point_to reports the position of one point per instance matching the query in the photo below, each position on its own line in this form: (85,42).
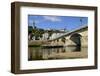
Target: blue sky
(57,22)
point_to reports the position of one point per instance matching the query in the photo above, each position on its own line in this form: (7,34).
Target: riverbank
(37,42)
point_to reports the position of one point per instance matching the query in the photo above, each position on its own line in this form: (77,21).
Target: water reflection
(40,53)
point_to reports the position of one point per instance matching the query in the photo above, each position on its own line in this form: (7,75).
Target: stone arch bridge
(77,37)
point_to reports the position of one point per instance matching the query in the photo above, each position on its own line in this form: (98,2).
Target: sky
(57,22)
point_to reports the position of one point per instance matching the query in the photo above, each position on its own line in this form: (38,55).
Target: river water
(38,53)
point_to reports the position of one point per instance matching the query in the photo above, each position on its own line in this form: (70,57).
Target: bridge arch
(76,38)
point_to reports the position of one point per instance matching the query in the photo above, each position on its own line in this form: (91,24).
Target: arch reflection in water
(40,53)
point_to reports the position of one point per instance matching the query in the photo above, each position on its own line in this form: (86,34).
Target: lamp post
(81,21)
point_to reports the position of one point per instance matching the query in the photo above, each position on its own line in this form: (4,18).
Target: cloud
(52,18)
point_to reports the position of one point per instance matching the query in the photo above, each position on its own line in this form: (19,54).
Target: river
(39,53)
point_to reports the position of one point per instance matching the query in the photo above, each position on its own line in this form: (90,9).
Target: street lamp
(81,21)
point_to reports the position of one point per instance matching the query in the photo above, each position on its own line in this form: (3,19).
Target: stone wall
(84,38)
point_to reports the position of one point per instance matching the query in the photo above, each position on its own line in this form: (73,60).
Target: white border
(25,64)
